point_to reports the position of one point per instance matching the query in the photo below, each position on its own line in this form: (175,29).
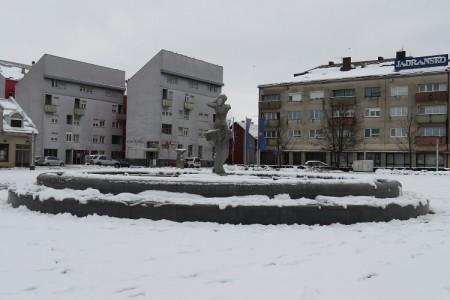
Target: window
(193,84)
(399,111)
(77,103)
(16,120)
(202,132)
(399,90)
(372,92)
(200,152)
(185,131)
(270,134)
(270,97)
(86,89)
(55,120)
(433,110)
(83,104)
(50,152)
(372,112)
(116,124)
(116,139)
(270,116)
(76,138)
(431,131)
(172,79)
(295,97)
(68,136)
(58,84)
(371,132)
(4,152)
(96,123)
(69,119)
(294,133)
(102,123)
(54,137)
(315,133)
(294,115)
(48,99)
(432,87)
(95,139)
(397,132)
(76,121)
(344,93)
(167,94)
(167,112)
(110,93)
(316,114)
(343,113)
(166,128)
(101,139)
(316,95)
(114,108)
(189,150)
(212,88)
(202,117)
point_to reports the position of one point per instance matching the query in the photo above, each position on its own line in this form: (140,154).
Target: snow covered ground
(65,257)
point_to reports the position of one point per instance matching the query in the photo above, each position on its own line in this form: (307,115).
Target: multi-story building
(167,99)
(76,106)
(243,144)
(400,107)
(10,74)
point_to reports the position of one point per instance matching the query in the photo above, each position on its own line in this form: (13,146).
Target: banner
(261,140)
(247,133)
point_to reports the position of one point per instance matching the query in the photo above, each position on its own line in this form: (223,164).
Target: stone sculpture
(220,134)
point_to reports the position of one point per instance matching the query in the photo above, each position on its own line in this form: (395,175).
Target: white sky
(256,41)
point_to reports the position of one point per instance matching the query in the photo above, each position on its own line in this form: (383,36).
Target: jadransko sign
(421,62)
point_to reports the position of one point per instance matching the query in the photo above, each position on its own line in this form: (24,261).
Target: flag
(247,133)
(261,140)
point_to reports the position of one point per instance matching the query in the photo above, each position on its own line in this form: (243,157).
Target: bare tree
(408,127)
(339,131)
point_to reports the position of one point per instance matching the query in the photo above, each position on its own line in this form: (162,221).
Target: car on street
(49,161)
(123,162)
(315,164)
(103,160)
(192,162)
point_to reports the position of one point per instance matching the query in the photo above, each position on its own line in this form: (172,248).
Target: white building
(167,109)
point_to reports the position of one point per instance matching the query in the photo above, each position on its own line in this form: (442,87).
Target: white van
(192,162)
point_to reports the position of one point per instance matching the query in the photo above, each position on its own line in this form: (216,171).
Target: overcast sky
(255,41)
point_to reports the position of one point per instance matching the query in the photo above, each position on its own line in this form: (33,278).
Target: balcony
(431,96)
(167,102)
(48,108)
(121,117)
(272,123)
(431,140)
(188,105)
(78,111)
(343,101)
(431,119)
(270,104)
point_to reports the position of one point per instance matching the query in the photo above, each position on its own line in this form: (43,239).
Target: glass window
(294,133)
(431,131)
(294,115)
(433,110)
(399,90)
(372,112)
(316,114)
(270,97)
(344,93)
(316,95)
(371,132)
(398,132)
(372,92)
(4,152)
(432,87)
(399,111)
(295,97)
(166,128)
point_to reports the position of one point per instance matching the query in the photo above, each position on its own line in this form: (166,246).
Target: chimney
(32,63)
(331,63)
(346,64)
(23,71)
(400,54)
(380,58)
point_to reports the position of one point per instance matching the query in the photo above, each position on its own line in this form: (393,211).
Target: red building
(10,74)
(238,155)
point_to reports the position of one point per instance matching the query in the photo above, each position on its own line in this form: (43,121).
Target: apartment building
(400,107)
(10,74)
(76,106)
(167,99)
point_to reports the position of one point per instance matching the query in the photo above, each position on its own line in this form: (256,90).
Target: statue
(220,134)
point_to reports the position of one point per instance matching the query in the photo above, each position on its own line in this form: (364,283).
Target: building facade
(398,106)
(167,99)
(76,106)
(243,144)
(17,133)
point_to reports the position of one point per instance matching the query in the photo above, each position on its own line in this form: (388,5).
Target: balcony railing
(432,96)
(167,102)
(430,140)
(431,118)
(48,108)
(343,101)
(270,104)
(188,105)
(78,111)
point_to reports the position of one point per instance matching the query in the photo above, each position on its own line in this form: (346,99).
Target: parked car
(192,162)
(49,161)
(123,162)
(315,164)
(88,158)
(36,158)
(103,160)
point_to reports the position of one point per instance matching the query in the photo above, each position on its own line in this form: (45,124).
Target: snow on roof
(377,68)
(12,70)
(10,107)
(253,130)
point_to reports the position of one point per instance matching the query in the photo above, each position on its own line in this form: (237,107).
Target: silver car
(49,161)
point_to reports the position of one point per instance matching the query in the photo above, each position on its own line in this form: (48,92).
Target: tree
(408,128)
(338,132)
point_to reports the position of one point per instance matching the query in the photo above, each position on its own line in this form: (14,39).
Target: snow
(12,70)
(9,107)
(64,257)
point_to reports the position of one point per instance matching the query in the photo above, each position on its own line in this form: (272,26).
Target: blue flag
(261,140)
(247,133)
